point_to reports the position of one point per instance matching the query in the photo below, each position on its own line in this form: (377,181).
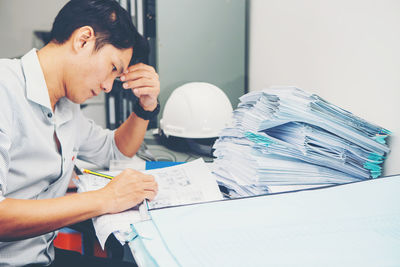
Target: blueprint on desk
(191,182)
(356,224)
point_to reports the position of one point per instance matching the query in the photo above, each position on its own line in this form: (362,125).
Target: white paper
(151,241)
(184,184)
(187,183)
(120,222)
(109,223)
(286,136)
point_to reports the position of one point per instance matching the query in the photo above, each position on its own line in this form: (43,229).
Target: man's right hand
(128,189)
(123,192)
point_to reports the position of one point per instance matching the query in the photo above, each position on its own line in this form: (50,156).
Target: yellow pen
(97,174)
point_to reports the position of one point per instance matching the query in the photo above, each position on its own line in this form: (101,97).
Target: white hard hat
(196,110)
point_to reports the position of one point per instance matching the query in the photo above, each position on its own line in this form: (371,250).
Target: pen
(145,201)
(97,174)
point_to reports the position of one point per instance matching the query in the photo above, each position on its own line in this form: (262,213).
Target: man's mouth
(94,93)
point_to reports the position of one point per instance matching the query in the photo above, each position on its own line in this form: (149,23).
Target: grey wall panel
(18,20)
(201,40)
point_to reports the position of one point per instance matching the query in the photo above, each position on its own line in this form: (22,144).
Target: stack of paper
(285,136)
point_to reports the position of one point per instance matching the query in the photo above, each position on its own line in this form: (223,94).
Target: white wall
(18,20)
(346,51)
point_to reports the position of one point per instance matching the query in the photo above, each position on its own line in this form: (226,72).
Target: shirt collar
(37,91)
(36,88)
(64,110)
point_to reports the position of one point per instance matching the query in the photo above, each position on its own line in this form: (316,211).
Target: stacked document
(286,136)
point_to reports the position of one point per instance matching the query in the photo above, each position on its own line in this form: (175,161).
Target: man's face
(94,71)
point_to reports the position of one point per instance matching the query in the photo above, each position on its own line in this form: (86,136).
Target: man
(42,129)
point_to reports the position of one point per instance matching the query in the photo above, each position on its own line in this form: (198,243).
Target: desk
(355,224)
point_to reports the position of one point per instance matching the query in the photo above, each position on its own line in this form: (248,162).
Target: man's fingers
(150,91)
(150,195)
(140,66)
(150,184)
(148,178)
(137,71)
(131,76)
(142,82)
(137,174)
(153,186)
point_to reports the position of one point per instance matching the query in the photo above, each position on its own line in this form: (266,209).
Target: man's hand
(145,84)
(128,189)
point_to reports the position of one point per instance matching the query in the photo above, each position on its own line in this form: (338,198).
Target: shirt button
(49,115)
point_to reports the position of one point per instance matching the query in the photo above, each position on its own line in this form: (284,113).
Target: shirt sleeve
(97,145)
(6,121)
(5,144)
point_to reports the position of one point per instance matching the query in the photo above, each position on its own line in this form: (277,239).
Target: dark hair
(111,24)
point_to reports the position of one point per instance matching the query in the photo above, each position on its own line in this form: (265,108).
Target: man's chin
(79,100)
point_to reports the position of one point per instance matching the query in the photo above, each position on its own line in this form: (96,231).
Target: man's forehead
(122,57)
(127,57)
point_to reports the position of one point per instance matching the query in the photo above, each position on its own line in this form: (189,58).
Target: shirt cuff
(1,196)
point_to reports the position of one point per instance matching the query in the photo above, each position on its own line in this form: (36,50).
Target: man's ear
(83,38)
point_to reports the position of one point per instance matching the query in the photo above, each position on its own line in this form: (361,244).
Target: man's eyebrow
(120,67)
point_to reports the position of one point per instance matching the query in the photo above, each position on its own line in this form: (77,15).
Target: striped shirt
(31,166)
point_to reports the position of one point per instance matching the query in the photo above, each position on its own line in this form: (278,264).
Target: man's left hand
(145,84)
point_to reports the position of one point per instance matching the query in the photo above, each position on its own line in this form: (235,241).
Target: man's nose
(107,85)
